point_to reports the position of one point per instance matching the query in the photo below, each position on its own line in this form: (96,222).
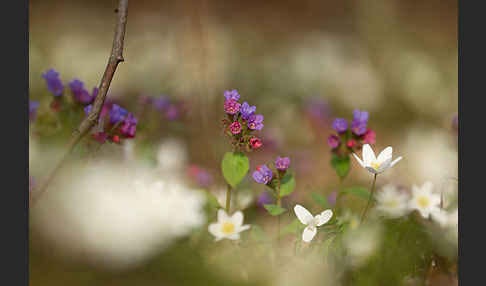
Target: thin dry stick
(89,121)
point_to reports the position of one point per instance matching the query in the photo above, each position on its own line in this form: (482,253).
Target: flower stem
(228,199)
(369,200)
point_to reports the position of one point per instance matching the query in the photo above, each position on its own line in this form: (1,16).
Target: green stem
(369,200)
(228,199)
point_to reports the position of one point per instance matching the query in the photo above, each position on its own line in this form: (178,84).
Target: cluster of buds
(121,123)
(241,121)
(272,175)
(349,139)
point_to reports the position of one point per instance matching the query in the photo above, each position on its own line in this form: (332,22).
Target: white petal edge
(395,161)
(244,227)
(367,154)
(359,160)
(303,214)
(237,218)
(222,216)
(385,154)
(324,217)
(309,234)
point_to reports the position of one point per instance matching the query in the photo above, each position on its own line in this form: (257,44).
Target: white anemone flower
(311,221)
(391,202)
(375,164)
(424,199)
(228,226)
(445,219)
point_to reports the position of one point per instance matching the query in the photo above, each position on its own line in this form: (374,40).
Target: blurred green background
(396,59)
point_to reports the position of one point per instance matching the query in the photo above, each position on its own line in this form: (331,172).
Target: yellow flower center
(228,228)
(375,165)
(423,202)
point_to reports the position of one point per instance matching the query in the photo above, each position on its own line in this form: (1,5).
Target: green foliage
(287,185)
(234,166)
(341,165)
(320,200)
(359,192)
(274,209)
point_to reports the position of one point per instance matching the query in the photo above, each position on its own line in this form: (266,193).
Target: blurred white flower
(311,221)
(116,215)
(446,219)
(378,164)
(240,200)
(172,156)
(424,199)
(391,202)
(361,243)
(228,226)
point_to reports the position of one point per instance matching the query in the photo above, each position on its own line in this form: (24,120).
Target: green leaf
(319,199)
(258,234)
(287,185)
(274,209)
(341,165)
(359,192)
(235,165)
(294,227)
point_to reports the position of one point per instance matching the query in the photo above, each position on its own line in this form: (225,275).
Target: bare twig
(90,120)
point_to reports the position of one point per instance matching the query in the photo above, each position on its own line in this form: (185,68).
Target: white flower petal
(368,155)
(372,170)
(244,227)
(303,214)
(385,155)
(385,165)
(395,161)
(324,217)
(237,218)
(359,160)
(215,229)
(309,233)
(222,216)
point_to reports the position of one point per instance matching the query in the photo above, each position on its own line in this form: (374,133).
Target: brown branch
(90,120)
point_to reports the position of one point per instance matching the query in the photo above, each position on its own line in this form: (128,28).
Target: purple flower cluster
(353,137)
(54,83)
(264,174)
(241,121)
(80,94)
(282,164)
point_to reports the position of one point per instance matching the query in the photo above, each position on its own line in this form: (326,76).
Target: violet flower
(333,141)
(129,126)
(54,83)
(262,175)
(33,106)
(79,93)
(255,122)
(117,114)
(246,110)
(360,119)
(231,106)
(231,94)
(282,164)
(340,125)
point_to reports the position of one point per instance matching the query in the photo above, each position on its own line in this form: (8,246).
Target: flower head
(117,114)
(231,94)
(160,103)
(333,141)
(79,93)
(231,106)
(424,200)
(235,128)
(228,226)
(340,125)
(54,83)
(378,164)
(246,110)
(360,120)
(369,137)
(391,202)
(129,126)
(311,221)
(255,122)
(282,164)
(255,142)
(263,175)
(33,106)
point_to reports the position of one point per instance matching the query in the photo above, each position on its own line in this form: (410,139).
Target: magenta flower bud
(235,127)
(256,143)
(333,141)
(282,164)
(231,106)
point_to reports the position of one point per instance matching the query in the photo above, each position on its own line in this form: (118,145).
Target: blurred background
(302,63)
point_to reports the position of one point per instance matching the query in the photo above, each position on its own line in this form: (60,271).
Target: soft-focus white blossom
(424,199)
(391,202)
(115,215)
(375,164)
(362,242)
(172,156)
